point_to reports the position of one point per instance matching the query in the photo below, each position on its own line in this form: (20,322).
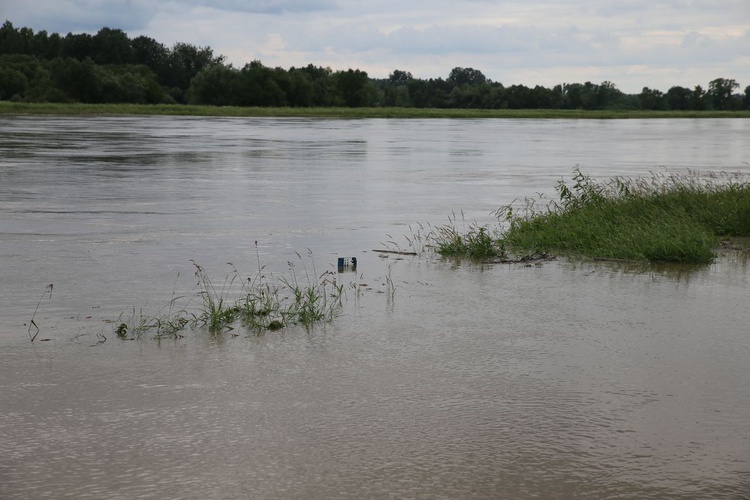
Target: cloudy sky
(633,43)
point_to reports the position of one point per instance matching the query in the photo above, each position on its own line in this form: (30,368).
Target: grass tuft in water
(217,312)
(317,299)
(167,322)
(261,304)
(472,241)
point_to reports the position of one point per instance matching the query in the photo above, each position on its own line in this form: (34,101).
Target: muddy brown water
(558,380)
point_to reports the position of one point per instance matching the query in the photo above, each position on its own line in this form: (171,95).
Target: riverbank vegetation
(110,67)
(81,109)
(663,218)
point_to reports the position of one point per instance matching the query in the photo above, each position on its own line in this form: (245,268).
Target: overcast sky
(632,43)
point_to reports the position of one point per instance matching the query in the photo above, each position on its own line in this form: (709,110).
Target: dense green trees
(106,67)
(720,96)
(720,93)
(70,80)
(652,99)
(258,85)
(12,82)
(678,98)
(111,67)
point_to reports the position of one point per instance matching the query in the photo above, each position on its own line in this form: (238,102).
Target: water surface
(563,380)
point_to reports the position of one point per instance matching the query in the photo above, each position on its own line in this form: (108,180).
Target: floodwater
(559,380)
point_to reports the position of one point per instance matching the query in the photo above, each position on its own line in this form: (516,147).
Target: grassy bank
(663,218)
(229,111)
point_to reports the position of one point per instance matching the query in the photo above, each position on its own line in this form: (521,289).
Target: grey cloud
(63,16)
(696,41)
(694,51)
(440,40)
(266,6)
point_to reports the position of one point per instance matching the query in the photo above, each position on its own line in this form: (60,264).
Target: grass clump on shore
(663,218)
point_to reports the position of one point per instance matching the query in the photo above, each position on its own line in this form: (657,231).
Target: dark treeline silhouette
(110,67)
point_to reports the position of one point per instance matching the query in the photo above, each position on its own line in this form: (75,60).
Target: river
(438,379)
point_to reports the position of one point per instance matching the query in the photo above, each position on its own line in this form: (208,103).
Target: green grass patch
(467,241)
(80,109)
(663,218)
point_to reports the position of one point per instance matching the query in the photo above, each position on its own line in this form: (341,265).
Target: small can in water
(347,264)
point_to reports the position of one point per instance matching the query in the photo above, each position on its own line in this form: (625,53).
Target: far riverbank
(341,112)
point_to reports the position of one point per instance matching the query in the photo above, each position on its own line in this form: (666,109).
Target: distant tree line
(110,67)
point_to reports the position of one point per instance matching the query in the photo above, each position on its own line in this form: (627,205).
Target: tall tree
(543,98)
(354,87)
(466,76)
(8,36)
(420,93)
(399,77)
(152,54)
(518,96)
(184,62)
(397,89)
(77,79)
(258,86)
(605,95)
(78,46)
(678,98)
(698,99)
(651,99)
(572,95)
(323,88)
(112,46)
(301,94)
(215,86)
(13,84)
(16,41)
(720,93)
(49,46)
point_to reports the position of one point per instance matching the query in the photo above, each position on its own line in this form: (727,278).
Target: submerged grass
(261,304)
(217,312)
(662,218)
(472,241)
(314,301)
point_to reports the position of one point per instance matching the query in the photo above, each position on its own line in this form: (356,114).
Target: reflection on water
(564,380)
